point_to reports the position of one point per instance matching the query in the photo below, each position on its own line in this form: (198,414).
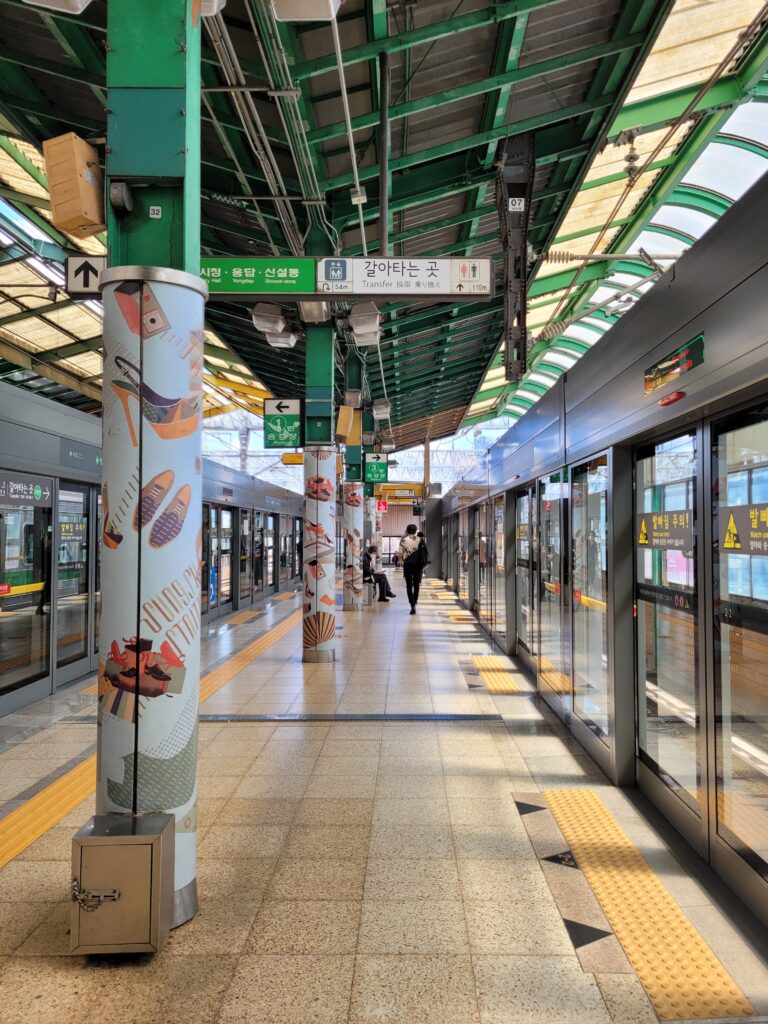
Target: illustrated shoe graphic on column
(168,525)
(153,495)
(110,535)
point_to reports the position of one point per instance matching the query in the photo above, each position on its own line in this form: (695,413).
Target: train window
(28,548)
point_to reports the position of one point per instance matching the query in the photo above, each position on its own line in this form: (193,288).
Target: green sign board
(282,423)
(244,275)
(376,469)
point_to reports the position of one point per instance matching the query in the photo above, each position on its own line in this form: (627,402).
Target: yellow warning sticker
(731,541)
(643,538)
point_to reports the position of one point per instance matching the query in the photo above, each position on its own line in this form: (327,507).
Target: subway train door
(75,580)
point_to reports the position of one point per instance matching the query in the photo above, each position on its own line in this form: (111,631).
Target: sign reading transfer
(373,277)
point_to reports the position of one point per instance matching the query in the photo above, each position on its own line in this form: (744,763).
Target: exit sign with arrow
(376,468)
(282,423)
(83,276)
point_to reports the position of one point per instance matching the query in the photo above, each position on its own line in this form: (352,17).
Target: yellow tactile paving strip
(241,617)
(214,680)
(461,617)
(495,673)
(286,596)
(682,976)
(22,827)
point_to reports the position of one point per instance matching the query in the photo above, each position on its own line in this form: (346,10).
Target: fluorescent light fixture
(354,398)
(388,446)
(314,312)
(287,340)
(268,318)
(305,10)
(358,196)
(369,438)
(364,318)
(367,340)
(209,8)
(67,6)
(380,409)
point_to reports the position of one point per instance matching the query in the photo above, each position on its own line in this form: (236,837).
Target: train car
(52,528)
(616,543)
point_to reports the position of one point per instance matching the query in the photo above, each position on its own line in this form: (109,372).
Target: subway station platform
(408,835)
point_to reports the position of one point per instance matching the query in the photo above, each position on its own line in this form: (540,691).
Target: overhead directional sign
(83,275)
(22,489)
(371,277)
(282,423)
(243,275)
(376,468)
(303,277)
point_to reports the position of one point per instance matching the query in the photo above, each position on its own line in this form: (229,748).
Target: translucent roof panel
(727,170)
(692,43)
(683,218)
(748,122)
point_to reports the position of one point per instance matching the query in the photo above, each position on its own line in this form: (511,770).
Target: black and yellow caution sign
(643,538)
(731,541)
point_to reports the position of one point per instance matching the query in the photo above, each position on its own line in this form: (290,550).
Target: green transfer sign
(244,275)
(376,468)
(282,423)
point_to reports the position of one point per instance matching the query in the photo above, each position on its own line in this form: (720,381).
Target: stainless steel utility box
(122,883)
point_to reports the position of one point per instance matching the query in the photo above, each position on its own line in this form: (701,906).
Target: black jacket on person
(367,567)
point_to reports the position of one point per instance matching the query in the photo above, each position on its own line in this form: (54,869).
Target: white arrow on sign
(84,273)
(282,407)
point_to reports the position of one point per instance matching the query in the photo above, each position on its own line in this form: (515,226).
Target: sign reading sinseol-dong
(244,275)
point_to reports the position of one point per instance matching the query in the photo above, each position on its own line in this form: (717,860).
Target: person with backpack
(414,557)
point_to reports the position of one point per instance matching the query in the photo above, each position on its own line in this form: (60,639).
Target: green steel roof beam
(492,84)
(657,112)
(697,198)
(495,14)
(79,46)
(561,116)
(77,348)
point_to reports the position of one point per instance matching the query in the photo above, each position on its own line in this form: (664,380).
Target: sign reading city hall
(303,277)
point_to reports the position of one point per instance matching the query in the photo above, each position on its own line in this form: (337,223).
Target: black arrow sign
(85,270)
(375,458)
(282,406)
(459,287)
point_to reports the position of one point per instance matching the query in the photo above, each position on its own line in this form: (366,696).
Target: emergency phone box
(75,185)
(122,883)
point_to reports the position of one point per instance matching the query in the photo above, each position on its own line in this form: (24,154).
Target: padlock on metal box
(122,883)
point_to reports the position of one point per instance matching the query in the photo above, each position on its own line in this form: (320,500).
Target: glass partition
(26,542)
(553,662)
(258,552)
(246,554)
(72,573)
(666,624)
(589,499)
(464,554)
(498,569)
(523,610)
(740,571)
(269,539)
(226,539)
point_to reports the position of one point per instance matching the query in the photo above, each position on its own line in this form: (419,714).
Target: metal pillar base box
(122,883)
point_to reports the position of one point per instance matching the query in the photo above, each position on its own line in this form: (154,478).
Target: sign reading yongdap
(258,276)
(671,530)
(376,469)
(383,277)
(744,529)
(282,423)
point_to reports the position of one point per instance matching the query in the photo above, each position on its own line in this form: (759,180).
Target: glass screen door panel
(286,553)
(523,610)
(97,574)
(226,534)
(73,513)
(246,554)
(213,589)
(205,562)
(297,547)
(464,554)
(26,549)
(258,553)
(553,667)
(270,553)
(498,570)
(666,592)
(589,500)
(740,571)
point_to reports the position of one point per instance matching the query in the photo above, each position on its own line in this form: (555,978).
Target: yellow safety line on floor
(446,597)
(495,673)
(22,827)
(286,596)
(682,976)
(218,677)
(241,617)
(458,617)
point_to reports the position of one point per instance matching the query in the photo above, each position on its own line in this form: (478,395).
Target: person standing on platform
(413,557)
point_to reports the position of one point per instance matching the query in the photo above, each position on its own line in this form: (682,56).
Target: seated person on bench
(379,578)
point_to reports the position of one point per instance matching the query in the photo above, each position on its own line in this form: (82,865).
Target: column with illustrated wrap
(353,545)
(319,554)
(149,663)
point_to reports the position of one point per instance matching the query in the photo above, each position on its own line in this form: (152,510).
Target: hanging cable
(350,136)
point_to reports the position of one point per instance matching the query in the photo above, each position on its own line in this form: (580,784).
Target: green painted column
(353,497)
(154,305)
(320,485)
